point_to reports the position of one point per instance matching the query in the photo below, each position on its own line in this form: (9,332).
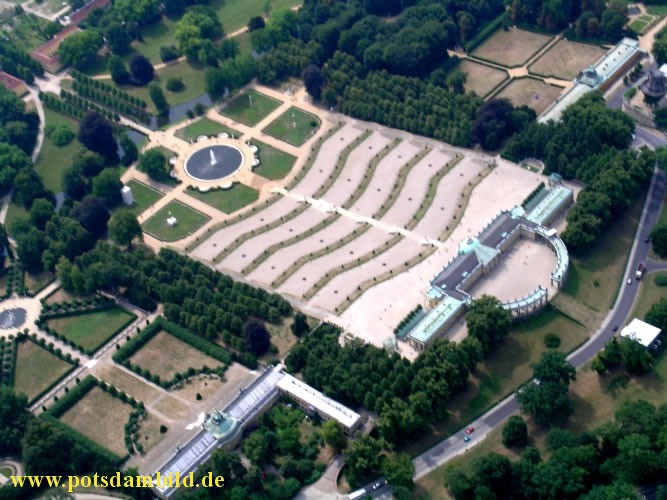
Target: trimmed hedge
(533,194)
(485,32)
(123,355)
(7,360)
(408,318)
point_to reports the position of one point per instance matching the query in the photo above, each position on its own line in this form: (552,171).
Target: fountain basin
(212,163)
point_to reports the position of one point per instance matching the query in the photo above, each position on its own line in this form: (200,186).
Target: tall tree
(107,186)
(97,135)
(141,69)
(124,228)
(158,98)
(257,338)
(333,435)
(488,321)
(79,50)
(13,420)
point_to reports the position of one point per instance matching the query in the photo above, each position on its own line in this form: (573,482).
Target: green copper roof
(435,318)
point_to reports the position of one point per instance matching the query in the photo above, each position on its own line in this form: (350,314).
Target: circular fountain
(213,163)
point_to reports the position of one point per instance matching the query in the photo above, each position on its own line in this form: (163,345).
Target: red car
(470,430)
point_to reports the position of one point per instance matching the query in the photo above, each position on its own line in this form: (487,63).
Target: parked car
(470,430)
(466,438)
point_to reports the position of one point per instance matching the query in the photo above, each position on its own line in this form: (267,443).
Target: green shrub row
(533,194)
(111,102)
(59,310)
(86,81)
(87,105)
(7,361)
(132,431)
(485,32)
(54,103)
(408,318)
(15,280)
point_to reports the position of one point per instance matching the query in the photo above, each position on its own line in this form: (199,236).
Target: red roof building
(14,84)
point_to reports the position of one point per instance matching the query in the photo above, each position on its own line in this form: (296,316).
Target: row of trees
(605,463)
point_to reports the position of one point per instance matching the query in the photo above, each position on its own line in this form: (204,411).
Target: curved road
(454,445)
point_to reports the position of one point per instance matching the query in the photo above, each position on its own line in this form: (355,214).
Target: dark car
(615,329)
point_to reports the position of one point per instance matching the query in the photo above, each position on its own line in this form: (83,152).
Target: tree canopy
(80,49)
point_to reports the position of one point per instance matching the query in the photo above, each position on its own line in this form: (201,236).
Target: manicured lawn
(649,294)
(227,200)
(36,369)
(502,372)
(193,78)
(53,161)
(144,195)
(294,126)
(274,164)
(235,14)
(92,330)
(98,410)
(14,212)
(204,126)
(243,39)
(155,35)
(165,355)
(595,279)
(189,220)
(657,10)
(242,111)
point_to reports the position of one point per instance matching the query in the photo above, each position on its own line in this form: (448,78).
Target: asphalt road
(455,444)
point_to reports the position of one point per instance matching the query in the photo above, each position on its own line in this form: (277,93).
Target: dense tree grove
(375,70)
(488,321)
(194,296)
(590,144)
(407,396)
(627,451)
(18,62)
(592,18)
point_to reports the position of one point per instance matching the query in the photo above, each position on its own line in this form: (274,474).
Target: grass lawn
(649,294)
(92,330)
(595,279)
(204,126)
(275,164)
(294,126)
(281,337)
(193,78)
(36,369)
(235,14)
(227,200)
(144,196)
(7,471)
(165,355)
(502,372)
(36,282)
(241,111)
(52,160)
(14,212)
(25,31)
(85,417)
(243,39)
(638,25)
(189,220)
(62,295)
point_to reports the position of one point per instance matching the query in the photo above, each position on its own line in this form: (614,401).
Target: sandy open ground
(280,261)
(512,47)
(505,187)
(301,281)
(254,247)
(481,79)
(566,59)
(386,174)
(337,290)
(415,187)
(356,166)
(527,265)
(530,92)
(447,198)
(326,159)
(224,237)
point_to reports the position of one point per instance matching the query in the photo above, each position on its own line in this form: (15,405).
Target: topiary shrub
(551,340)
(175,84)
